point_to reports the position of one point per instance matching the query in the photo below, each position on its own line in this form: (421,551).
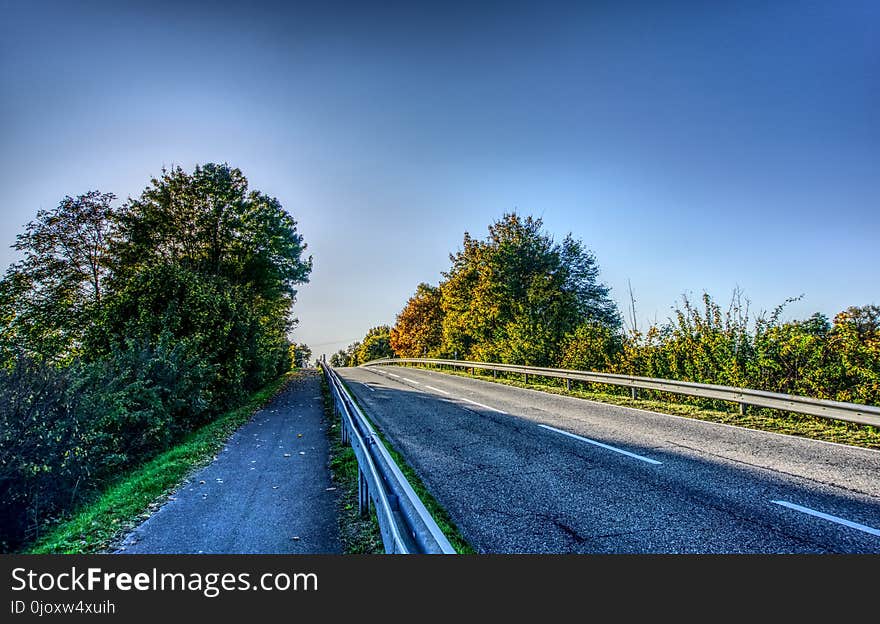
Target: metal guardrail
(852,412)
(405,524)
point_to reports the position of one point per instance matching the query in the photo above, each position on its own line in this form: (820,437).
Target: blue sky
(691,148)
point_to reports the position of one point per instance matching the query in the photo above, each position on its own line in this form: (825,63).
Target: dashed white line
(604,446)
(483,406)
(829,517)
(412,381)
(393,375)
(436,389)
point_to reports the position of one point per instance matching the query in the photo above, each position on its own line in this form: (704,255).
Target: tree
(209,221)
(347,356)
(854,351)
(301,354)
(49,299)
(339,359)
(418,331)
(376,345)
(232,258)
(516,296)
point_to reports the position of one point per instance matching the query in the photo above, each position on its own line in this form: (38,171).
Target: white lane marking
(413,381)
(367,386)
(436,389)
(393,375)
(825,516)
(604,446)
(483,406)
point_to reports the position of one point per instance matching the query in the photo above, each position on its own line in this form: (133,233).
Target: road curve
(521,471)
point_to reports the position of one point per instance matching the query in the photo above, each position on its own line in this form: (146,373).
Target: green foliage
(837,360)
(300,354)
(513,298)
(94,525)
(49,298)
(519,297)
(706,345)
(375,345)
(347,356)
(209,222)
(592,347)
(45,448)
(340,358)
(125,329)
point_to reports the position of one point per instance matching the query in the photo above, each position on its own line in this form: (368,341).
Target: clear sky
(690,147)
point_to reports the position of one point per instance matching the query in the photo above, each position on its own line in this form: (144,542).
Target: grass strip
(360,535)
(775,421)
(96,526)
(437,511)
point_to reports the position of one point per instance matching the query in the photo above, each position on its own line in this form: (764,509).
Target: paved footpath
(266,492)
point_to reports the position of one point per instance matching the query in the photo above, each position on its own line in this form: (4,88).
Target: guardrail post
(568,385)
(526,377)
(742,409)
(634,392)
(494,374)
(363,494)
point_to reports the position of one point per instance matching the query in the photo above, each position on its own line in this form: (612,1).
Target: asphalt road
(266,492)
(522,471)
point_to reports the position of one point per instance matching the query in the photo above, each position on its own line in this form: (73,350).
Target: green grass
(775,421)
(132,498)
(360,535)
(437,511)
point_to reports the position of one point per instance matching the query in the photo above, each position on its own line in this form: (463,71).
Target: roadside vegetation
(124,329)
(521,297)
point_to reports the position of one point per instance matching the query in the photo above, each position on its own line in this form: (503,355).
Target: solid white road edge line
(436,389)
(604,446)
(829,517)
(483,406)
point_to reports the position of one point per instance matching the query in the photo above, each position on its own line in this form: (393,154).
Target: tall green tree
(375,345)
(50,298)
(201,258)
(516,296)
(208,220)
(300,354)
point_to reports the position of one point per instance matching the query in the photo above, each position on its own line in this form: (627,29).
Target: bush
(43,450)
